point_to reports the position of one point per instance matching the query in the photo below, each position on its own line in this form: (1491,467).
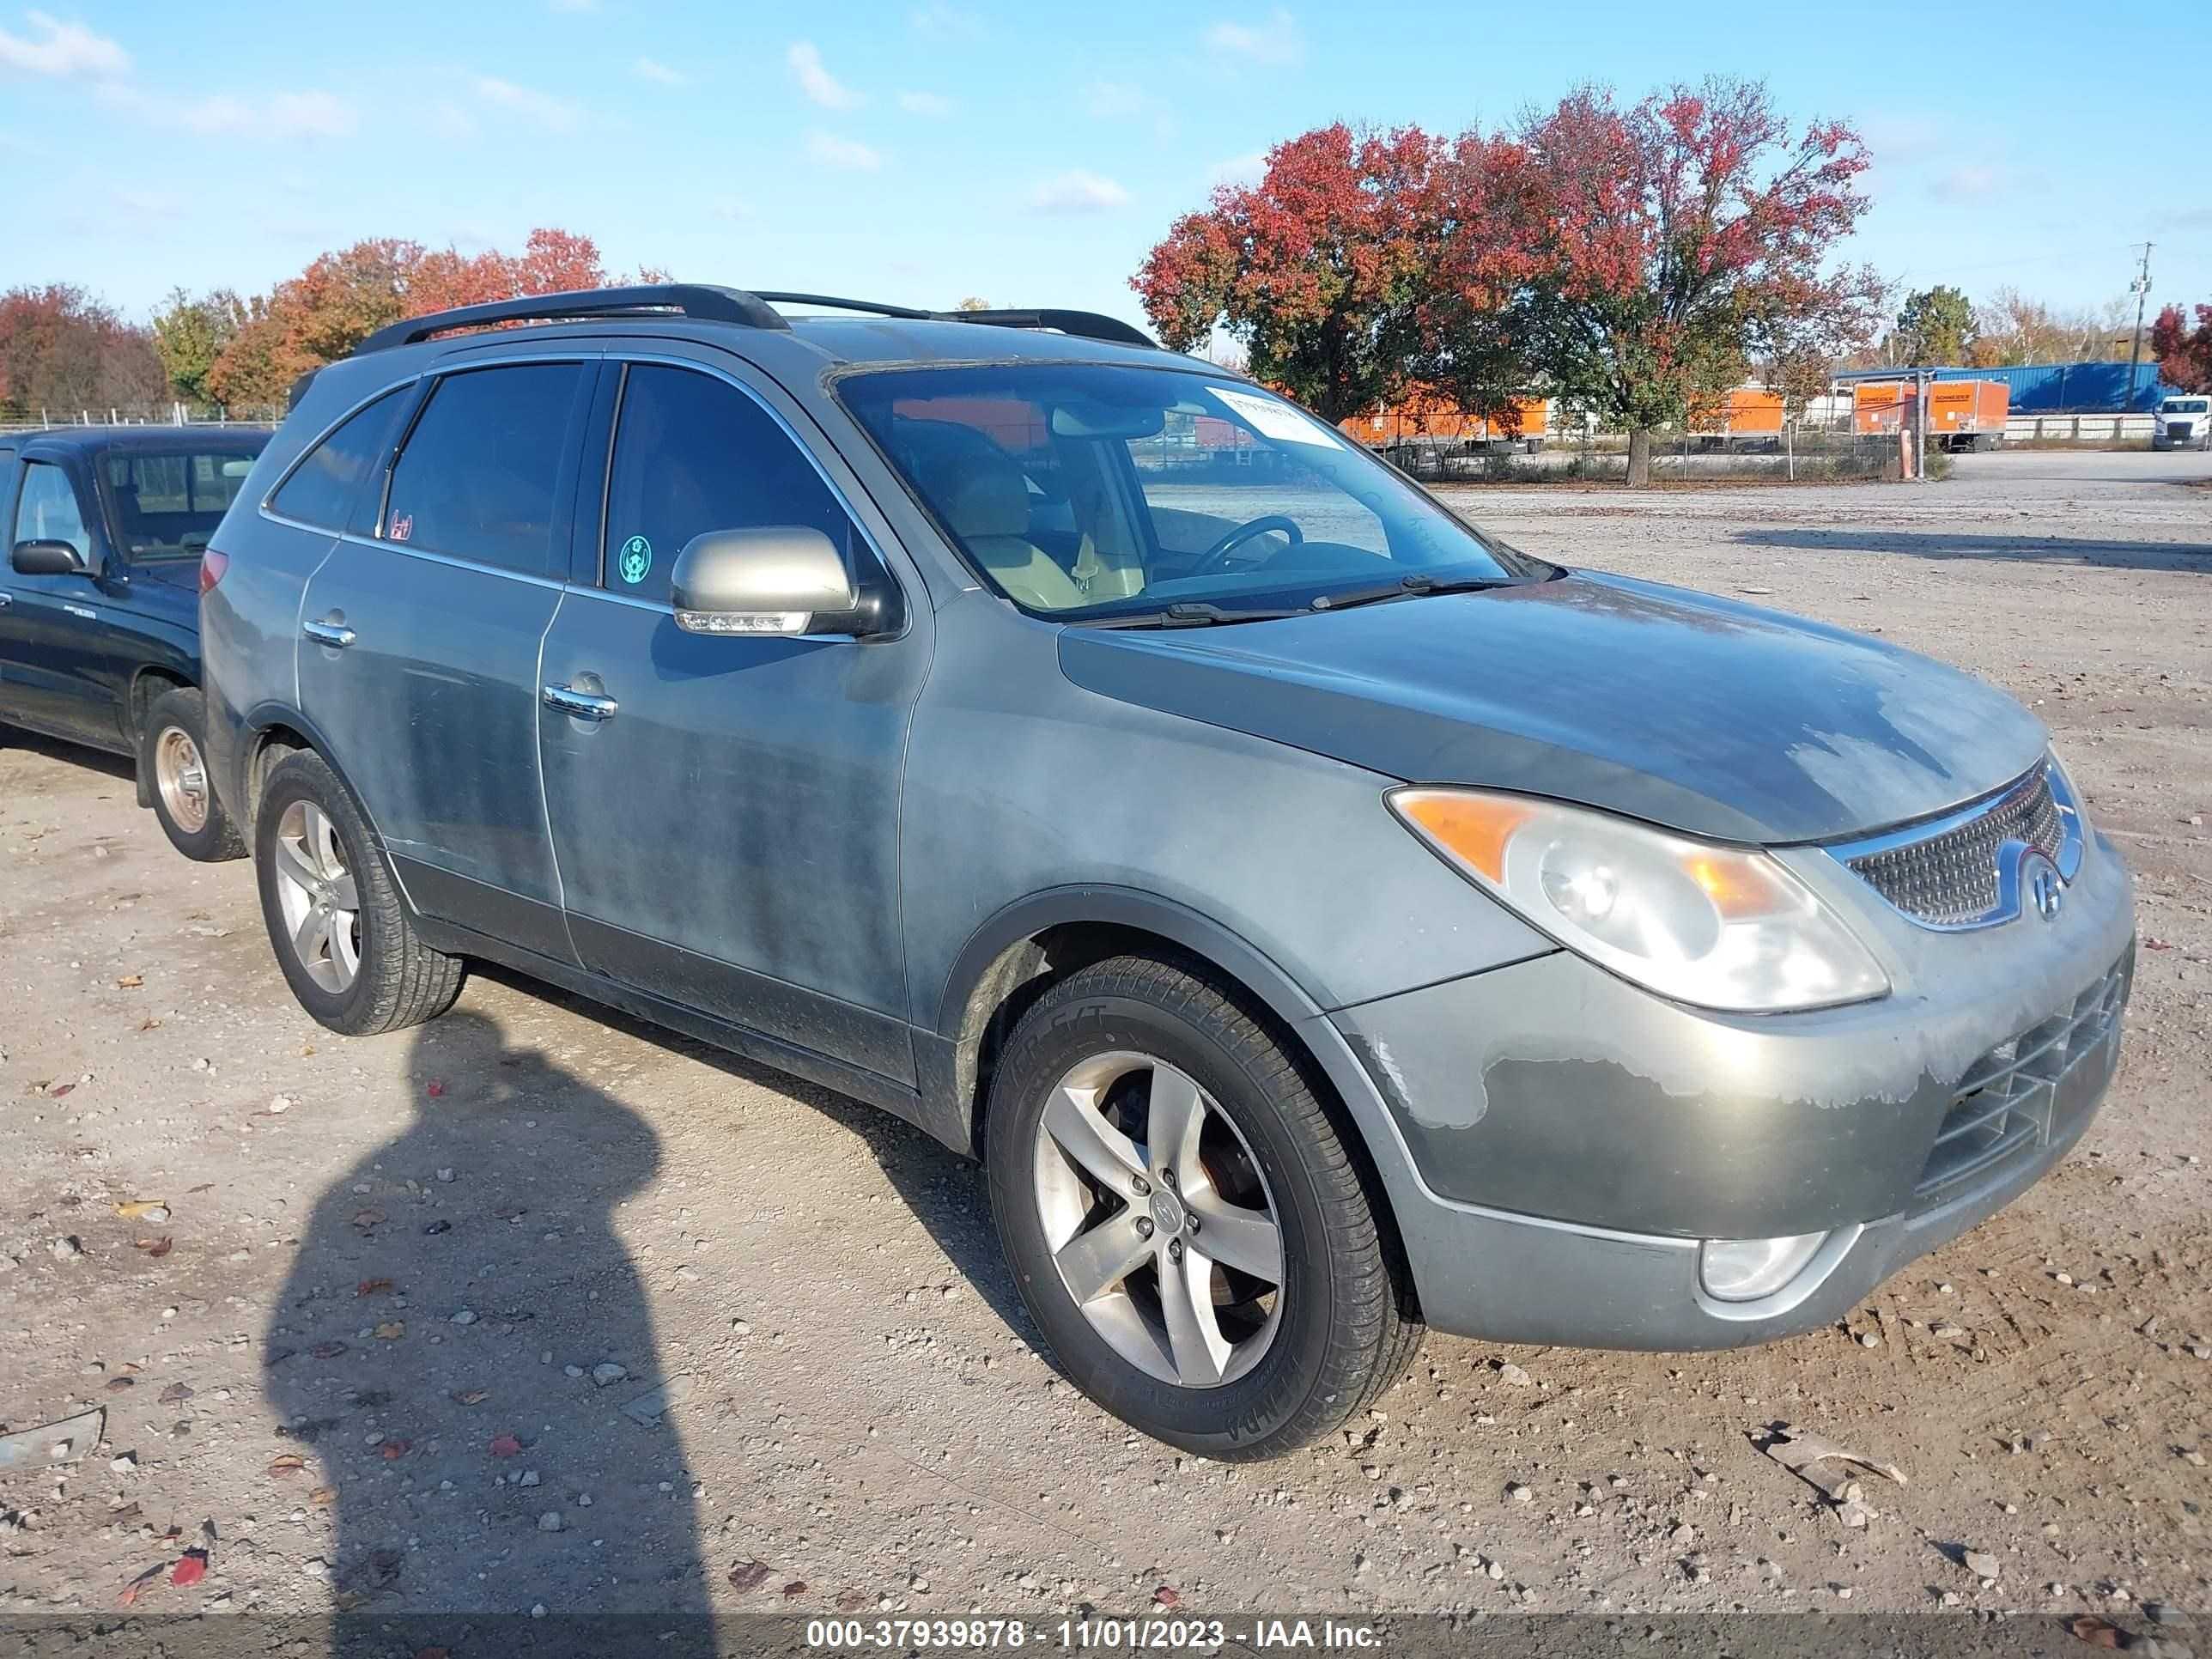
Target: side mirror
(779,579)
(49,558)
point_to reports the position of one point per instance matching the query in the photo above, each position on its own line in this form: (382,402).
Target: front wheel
(1186,1224)
(173,759)
(342,935)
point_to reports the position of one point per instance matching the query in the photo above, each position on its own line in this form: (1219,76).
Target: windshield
(165,504)
(1089,492)
(2185,406)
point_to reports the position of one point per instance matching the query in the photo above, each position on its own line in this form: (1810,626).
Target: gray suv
(1323,919)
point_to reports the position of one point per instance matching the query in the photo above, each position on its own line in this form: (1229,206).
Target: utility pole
(2141,289)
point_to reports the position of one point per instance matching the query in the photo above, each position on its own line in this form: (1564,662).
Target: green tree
(1936,327)
(190,335)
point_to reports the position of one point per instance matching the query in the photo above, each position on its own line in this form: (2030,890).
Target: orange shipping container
(1419,419)
(1958,408)
(1747,411)
(1880,405)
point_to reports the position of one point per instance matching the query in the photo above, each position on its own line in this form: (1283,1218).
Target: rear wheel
(334,915)
(1184,1222)
(173,759)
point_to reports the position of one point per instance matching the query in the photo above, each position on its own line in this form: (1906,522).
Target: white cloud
(831,151)
(1111,100)
(1238,170)
(935,104)
(63,52)
(284,115)
(279,116)
(816,81)
(1274,41)
(938,21)
(1077,191)
(540,109)
(651,68)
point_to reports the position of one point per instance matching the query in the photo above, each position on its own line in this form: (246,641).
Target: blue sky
(924,149)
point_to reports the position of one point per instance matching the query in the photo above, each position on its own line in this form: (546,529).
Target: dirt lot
(366,1358)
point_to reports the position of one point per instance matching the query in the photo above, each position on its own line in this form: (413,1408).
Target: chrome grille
(1950,879)
(2006,1104)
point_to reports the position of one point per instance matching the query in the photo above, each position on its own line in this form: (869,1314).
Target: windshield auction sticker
(1273,420)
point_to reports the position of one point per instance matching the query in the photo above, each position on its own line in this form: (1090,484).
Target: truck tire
(173,759)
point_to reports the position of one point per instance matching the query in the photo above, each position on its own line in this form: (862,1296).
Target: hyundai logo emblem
(2045,890)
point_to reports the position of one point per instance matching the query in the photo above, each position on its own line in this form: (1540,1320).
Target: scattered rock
(464,1317)
(1518,1493)
(606,1374)
(1982,1563)
(1512,1375)
(550,1521)
(66,1250)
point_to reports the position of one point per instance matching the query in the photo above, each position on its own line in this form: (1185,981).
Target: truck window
(166,505)
(47,511)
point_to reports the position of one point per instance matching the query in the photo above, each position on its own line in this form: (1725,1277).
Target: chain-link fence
(1804,456)
(35,417)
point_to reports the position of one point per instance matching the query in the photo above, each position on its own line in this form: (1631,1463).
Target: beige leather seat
(978,487)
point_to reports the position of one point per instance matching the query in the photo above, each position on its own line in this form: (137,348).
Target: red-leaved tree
(1315,269)
(1676,240)
(344,296)
(61,349)
(2184,354)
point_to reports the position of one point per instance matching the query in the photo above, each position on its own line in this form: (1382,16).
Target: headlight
(1723,927)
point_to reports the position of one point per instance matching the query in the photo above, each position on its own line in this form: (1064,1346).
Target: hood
(1715,718)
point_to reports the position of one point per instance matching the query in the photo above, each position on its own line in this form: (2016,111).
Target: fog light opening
(1746,1269)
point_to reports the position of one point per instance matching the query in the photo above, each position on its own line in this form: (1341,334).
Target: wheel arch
(1024,949)
(149,683)
(272,732)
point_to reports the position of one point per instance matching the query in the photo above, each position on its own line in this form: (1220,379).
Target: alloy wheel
(180,778)
(320,898)
(1159,1220)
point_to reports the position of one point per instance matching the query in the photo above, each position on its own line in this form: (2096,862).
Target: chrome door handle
(584,705)
(328,633)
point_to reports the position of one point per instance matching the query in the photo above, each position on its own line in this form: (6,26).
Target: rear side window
(693,453)
(47,509)
(323,488)
(477,476)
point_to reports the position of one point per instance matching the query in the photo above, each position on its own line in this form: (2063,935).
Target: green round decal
(636,560)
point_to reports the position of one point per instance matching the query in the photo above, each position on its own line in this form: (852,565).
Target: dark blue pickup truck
(99,600)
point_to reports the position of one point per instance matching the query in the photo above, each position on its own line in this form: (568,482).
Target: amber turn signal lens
(1474,828)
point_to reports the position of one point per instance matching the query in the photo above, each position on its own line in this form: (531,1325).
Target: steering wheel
(1217,554)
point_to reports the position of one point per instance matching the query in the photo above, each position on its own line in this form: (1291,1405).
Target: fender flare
(1125,907)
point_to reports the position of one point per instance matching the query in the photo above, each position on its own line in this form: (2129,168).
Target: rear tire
(1257,1331)
(341,933)
(173,759)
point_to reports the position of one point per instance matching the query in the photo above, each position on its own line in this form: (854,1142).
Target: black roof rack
(723,305)
(1086,324)
(717,305)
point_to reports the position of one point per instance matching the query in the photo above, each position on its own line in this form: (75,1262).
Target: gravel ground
(370,1342)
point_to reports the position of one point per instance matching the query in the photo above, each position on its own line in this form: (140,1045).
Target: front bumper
(1574,1140)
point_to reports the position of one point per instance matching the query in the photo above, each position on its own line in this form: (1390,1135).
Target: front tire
(173,759)
(341,933)
(1184,1221)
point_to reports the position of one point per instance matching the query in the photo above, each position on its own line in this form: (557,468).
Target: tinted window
(693,453)
(477,477)
(322,489)
(46,511)
(166,505)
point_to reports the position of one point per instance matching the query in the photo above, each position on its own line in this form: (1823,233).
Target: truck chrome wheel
(320,899)
(180,775)
(1158,1219)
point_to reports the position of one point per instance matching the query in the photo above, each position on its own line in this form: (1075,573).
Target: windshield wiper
(1186,614)
(1412,587)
